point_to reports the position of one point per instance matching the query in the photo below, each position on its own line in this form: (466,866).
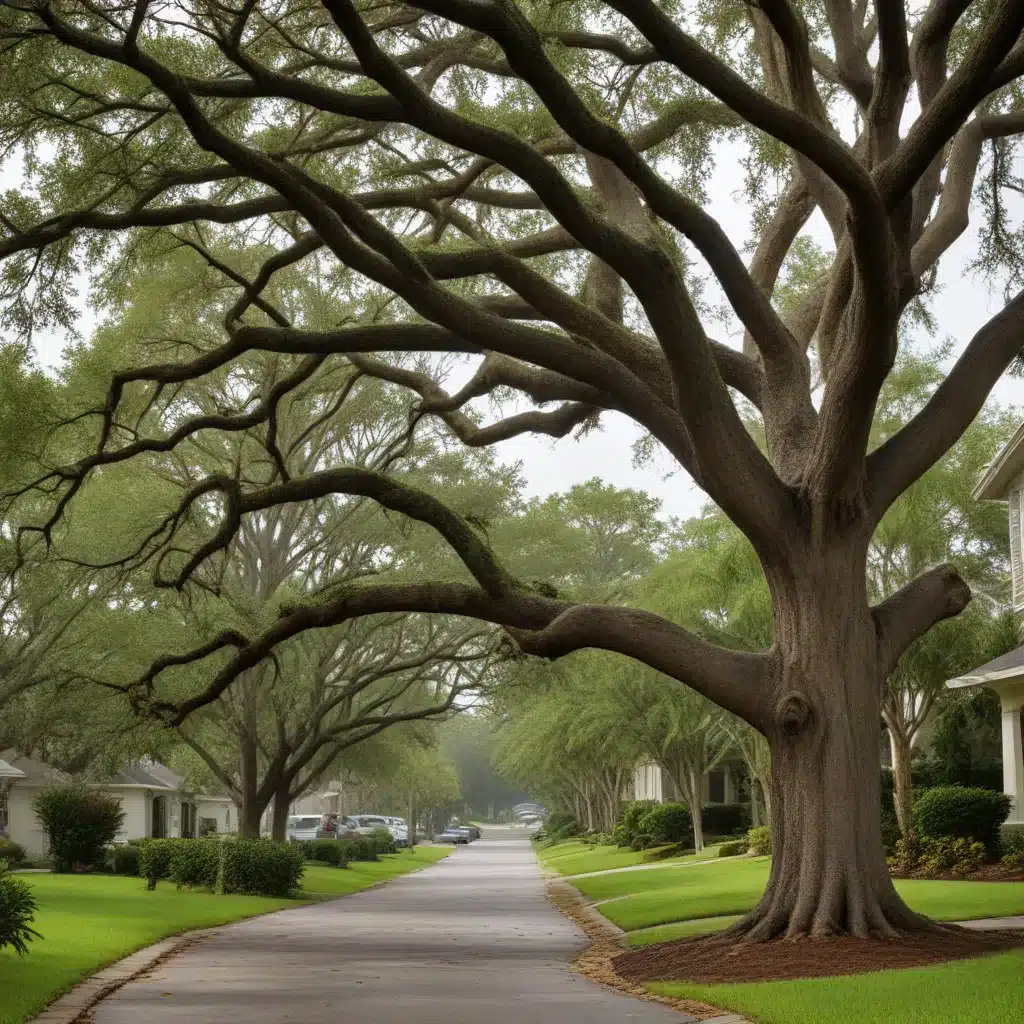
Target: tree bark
(251,808)
(282,805)
(902,784)
(695,801)
(829,873)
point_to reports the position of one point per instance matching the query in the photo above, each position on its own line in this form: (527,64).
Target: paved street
(470,940)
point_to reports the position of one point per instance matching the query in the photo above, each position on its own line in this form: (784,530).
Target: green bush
(79,824)
(363,848)
(907,854)
(194,862)
(957,811)
(383,840)
(629,828)
(619,836)
(17,912)
(12,852)
(759,841)
(261,867)
(666,823)
(948,853)
(725,819)
(124,859)
(155,860)
(1011,846)
(327,851)
(891,834)
(733,849)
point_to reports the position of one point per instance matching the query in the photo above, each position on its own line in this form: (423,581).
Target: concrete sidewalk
(468,940)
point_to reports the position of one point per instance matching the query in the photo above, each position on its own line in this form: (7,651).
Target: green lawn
(576,858)
(732,887)
(982,991)
(89,921)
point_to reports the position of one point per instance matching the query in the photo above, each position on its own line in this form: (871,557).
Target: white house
(1004,481)
(155,800)
(652,782)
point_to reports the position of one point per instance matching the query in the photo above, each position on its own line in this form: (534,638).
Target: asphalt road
(469,940)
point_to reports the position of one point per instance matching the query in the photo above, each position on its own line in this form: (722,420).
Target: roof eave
(1004,467)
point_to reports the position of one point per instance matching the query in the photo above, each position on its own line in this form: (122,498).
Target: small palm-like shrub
(17,912)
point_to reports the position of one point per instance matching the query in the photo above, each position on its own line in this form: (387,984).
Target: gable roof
(33,772)
(8,771)
(136,775)
(1004,667)
(1002,470)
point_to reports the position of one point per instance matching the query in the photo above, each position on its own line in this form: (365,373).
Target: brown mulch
(710,960)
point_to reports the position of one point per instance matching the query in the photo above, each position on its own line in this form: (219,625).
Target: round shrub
(12,852)
(363,848)
(327,851)
(958,811)
(383,840)
(194,862)
(667,823)
(725,819)
(79,824)
(261,867)
(17,912)
(125,859)
(759,841)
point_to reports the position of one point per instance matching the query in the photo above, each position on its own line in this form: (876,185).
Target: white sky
(962,305)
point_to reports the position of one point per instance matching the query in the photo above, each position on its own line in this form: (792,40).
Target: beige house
(1004,481)
(155,800)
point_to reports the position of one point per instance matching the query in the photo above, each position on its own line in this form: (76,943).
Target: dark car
(474,830)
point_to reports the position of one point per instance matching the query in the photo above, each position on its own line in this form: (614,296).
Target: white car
(366,823)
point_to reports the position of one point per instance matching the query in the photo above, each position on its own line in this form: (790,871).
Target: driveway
(469,940)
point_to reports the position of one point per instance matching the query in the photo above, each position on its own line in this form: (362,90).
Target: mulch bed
(710,960)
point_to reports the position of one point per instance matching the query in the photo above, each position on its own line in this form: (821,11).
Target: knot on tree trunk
(793,713)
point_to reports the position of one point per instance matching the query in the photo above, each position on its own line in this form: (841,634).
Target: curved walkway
(470,939)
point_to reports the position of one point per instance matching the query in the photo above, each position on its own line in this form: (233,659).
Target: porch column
(1013,758)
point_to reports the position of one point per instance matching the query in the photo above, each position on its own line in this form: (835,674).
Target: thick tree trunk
(251,808)
(282,805)
(902,785)
(829,873)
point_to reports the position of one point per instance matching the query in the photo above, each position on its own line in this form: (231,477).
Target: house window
(207,826)
(5,814)
(716,787)
(159,817)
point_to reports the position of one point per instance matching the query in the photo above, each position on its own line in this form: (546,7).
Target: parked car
(458,836)
(474,830)
(302,827)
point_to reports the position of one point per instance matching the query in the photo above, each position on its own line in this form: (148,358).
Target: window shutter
(1016,565)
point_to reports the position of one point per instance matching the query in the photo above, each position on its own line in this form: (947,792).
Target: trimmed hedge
(260,867)
(79,824)
(17,912)
(957,811)
(666,823)
(733,849)
(327,851)
(252,867)
(195,863)
(363,848)
(725,819)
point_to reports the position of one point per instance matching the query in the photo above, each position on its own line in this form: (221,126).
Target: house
(721,784)
(155,800)
(1004,481)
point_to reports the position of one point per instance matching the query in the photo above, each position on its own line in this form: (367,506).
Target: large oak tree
(522,181)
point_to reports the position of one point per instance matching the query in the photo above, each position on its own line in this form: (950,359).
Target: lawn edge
(74,1006)
(595,962)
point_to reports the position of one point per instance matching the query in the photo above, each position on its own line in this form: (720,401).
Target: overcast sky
(962,305)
